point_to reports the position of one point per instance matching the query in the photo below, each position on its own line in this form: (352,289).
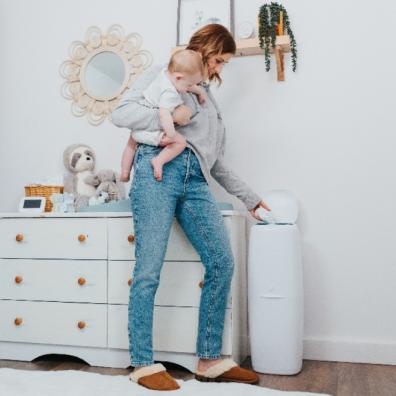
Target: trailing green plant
(269,15)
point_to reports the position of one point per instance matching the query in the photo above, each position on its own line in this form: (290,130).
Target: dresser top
(12,215)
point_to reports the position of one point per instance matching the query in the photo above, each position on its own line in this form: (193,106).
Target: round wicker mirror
(100,69)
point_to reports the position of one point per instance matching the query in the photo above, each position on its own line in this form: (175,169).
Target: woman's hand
(261,204)
(182,115)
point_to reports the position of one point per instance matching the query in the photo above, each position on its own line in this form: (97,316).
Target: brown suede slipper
(227,371)
(154,377)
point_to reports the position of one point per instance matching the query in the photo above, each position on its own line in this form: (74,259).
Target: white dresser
(64,289)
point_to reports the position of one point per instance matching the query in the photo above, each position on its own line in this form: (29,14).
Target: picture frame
(194,14)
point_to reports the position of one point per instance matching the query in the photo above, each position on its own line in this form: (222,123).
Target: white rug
(79,383)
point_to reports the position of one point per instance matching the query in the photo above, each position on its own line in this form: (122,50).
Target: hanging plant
(274,21)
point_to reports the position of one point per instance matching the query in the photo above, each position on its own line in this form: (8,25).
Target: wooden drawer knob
(18,321)
(18,279)
(81,281)
(200,284)
(81,324)
(130,282)
(19,238)
(82,237)
(131,238)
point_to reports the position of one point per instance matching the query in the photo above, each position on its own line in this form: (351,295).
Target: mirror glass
(104,74)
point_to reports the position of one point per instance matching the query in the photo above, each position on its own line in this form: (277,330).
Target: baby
(184,72)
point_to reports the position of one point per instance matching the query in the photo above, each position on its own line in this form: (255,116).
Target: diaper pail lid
(283,204)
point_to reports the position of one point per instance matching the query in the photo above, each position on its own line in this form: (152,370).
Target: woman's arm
(232,183)
(133,115)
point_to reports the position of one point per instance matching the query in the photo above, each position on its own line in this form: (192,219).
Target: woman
(184,193)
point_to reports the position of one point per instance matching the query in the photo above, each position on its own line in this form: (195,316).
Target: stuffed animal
(107,181)
(63,203)
(79,160)
(103,197)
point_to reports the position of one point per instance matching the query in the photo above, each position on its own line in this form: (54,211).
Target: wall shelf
(248,47)
(252,46)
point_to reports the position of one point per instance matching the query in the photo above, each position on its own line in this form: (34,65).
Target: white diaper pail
(275,288)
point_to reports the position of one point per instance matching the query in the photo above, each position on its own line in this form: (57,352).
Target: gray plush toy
(107,181)
(79,160)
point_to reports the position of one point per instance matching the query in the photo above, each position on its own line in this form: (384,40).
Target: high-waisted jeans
(184,193)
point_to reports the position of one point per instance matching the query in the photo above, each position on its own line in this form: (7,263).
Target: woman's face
(216,63)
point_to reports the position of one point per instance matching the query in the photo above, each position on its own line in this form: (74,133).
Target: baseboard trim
(350,351)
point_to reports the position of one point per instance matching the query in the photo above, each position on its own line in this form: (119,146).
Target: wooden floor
(334,378)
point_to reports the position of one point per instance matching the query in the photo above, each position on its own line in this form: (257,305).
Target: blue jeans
(184,193)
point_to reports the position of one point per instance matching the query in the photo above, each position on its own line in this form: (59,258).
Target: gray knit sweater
(205,133)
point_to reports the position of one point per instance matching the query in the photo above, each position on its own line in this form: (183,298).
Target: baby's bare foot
(157,166)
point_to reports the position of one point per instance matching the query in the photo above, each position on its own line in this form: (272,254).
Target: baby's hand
(200,92)
(201,95)
(201,98)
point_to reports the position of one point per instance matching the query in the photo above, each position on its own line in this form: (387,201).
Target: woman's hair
(212,39)
(186,61)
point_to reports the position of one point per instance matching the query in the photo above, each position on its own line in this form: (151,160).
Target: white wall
(325,133)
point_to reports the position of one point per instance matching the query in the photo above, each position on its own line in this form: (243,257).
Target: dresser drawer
(53,323)
(180,284)
(53,238)
(121,247)
(54,280)
(174,329)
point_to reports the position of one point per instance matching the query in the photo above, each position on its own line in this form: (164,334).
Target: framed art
(194,14)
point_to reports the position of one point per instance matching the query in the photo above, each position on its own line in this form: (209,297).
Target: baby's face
(184,82)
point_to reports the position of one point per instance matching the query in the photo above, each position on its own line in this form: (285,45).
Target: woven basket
(40,190)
